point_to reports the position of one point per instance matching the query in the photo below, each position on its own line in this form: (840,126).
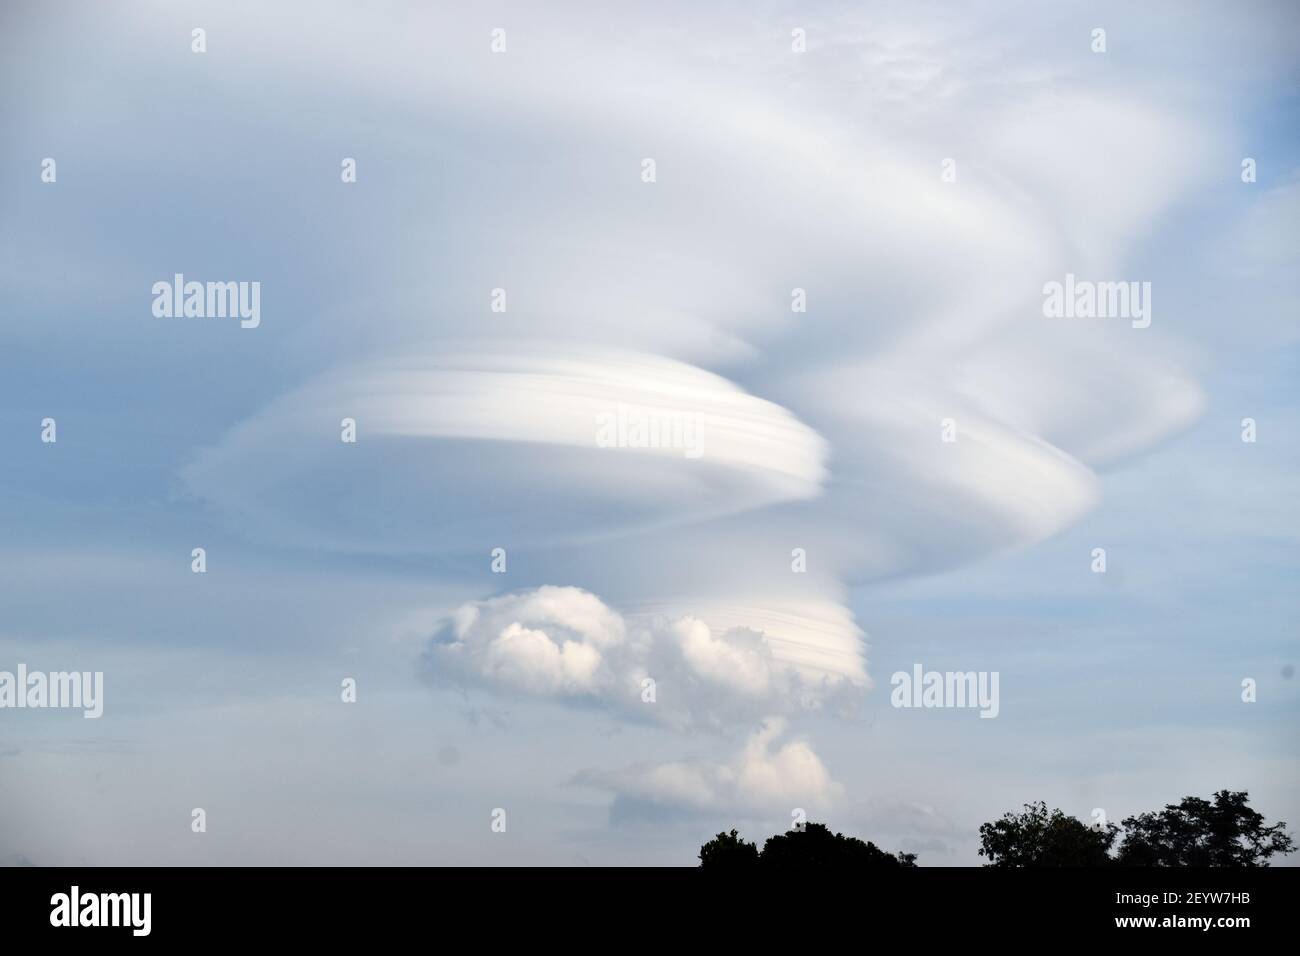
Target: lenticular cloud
(916,412)
(520,445)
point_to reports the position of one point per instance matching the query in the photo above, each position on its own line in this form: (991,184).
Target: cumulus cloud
(817,639)
(763,777)
(564,643)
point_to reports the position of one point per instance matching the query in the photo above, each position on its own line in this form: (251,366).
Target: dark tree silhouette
(812,845)
(815,845)
(1038,837)
(728,850)
(1197,832)
(1224,832)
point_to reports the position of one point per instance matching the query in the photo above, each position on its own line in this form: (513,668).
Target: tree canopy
(1221,832)
(806,846)
(728,850)
(1039,837)
(1196,832)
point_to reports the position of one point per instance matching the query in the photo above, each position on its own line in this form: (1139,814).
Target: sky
(829,280)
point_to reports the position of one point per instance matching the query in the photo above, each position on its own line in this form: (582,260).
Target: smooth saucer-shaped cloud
(928,477)
(502,446)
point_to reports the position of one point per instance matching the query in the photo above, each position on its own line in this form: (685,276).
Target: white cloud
(762,778)
(565,643)
(517,444)
(737,660)
(924,297)
(819,171)
(1093,396)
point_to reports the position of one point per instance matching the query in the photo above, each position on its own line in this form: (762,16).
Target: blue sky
(820,430)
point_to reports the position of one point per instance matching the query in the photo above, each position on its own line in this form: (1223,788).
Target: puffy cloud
(762,778)
(565,643)
(816,639)
(737,660)
(557,652)
(530,659)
